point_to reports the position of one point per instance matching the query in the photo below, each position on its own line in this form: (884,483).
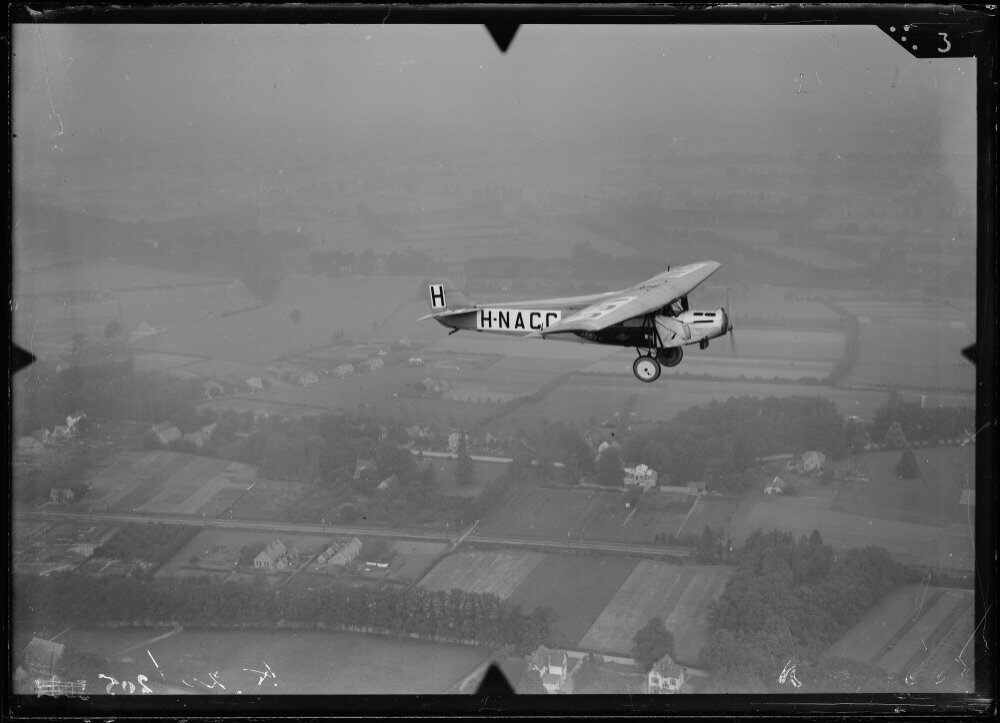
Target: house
(308,378)
(552,666)
(344,370)
(61,495)
(388,483)
(605,446)
(435,386)
(212,389)
(455,439)
(640,476)
(42,657)
(665,676)
(256,384)
(274,556)
(200,437)
(361,465)
(29,444)
(777,487)
(373,364)
(346,553)
(418,432)
(166,433)
(142,330)
(812,462)
(414,361)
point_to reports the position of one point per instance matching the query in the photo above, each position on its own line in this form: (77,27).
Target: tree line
(787,601)
(455,616)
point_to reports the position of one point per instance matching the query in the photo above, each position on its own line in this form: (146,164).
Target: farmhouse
(308,378)
(361,465)
(665,676)
(435,386)
(373,364)
(29,444)
(274,556)
(61,495)
(346,553)
(166,433)
(455,439)
(344,370)
(212,389)
(552,666)
(414,361)
(255,384)
(200,437)
(388,483)
(776,487)
(640,476)
(812,462)
(605,446)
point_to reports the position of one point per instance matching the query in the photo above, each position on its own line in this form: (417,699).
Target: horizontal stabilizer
(446,314)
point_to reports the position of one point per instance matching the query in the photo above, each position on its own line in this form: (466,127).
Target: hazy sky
(77,85)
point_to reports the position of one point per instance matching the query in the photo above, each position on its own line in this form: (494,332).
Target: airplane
(651,316)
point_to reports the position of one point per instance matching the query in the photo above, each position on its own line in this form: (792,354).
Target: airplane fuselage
(688,327)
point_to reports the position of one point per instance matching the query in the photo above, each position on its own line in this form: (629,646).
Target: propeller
(728,321)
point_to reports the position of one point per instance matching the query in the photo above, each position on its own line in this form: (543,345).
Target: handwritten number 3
(947,44)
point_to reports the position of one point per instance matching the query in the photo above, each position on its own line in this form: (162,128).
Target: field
(914,355)
(918,631)
(413,559)
(586,514)
(820,258)
(354,306)
(676,593)
(498,573)
(483,473)
(576,587)
(302,662)
(583,396)
(932,498)
(949,547)
(100,276)
(170,482)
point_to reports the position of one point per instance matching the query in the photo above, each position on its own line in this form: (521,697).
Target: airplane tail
(443,296)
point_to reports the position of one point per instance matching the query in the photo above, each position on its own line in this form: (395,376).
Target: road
(302,528)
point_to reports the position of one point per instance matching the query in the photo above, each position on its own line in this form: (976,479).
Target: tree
(907,467)
(113,329)
(295,316)
(609,468)
(894,437)
(464,469)
(651,643)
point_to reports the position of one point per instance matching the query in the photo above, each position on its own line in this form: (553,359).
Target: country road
(614,548)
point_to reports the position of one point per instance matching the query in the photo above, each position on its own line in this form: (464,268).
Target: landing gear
(646,369)
(670,357)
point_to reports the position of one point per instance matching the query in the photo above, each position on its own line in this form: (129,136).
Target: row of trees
(454,616)
(789,600)
(900,423)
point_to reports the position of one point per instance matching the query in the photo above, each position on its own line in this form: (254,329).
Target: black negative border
(979,20)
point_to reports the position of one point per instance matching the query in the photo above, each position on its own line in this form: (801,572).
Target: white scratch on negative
(48,89)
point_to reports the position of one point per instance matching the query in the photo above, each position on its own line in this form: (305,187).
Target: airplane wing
(640,299)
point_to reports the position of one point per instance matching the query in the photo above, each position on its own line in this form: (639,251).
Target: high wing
(640,299)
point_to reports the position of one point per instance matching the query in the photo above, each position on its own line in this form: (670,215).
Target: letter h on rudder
(437,296)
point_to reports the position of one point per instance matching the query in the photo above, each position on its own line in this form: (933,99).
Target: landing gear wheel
(671,356)
(646,369)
